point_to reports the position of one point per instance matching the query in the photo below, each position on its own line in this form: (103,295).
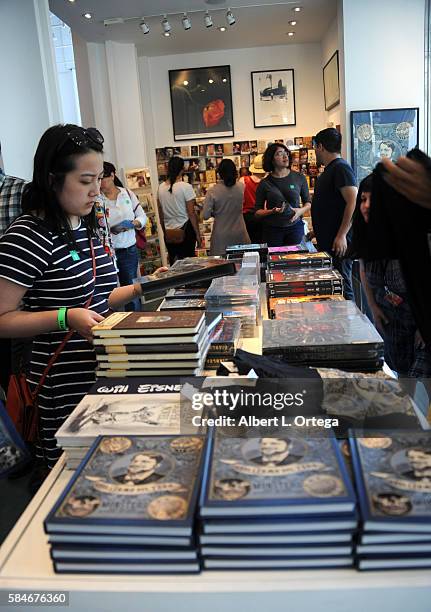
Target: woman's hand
(82,320)
(162,269)
(379,318)
(298,212)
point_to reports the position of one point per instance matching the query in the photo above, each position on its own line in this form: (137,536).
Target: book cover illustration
(304,276)
(394,473)
(136,323)
(182,304)
(133,480)
(13,451)
(276,471)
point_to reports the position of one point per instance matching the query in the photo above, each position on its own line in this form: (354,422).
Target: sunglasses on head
(82,137)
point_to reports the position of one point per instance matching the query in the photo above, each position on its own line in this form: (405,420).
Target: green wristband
(62,319)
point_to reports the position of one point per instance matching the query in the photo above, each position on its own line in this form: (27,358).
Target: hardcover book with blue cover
(13,451)
(133,485)
(278,476)
(393,477)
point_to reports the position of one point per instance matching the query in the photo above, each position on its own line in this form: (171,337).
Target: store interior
(107,64)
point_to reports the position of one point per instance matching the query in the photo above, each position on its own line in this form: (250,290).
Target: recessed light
(292,23)
(87,15)
(291,33)
(71,0)
(297,9)
(210,80)
(222,28)
(224,80)
(185,83)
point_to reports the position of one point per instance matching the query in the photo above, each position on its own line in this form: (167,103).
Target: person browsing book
(176,202)
(279,197)
(224,202)
(125,216)
(52,260)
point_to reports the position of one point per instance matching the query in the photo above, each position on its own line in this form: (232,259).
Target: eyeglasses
(281,154)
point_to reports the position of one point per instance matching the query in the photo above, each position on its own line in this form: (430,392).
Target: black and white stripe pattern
(34,257)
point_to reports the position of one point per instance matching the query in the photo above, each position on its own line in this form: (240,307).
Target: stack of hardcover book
(236,298)
(151,343)
(275,503)
(223,342)
(319,281)
(142,406)
(276,306)
(130,508)
(326,334)
(393,481)
(293,261)
(294,248)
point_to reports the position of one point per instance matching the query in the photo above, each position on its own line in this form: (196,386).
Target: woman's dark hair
(228,172)
(268,156)
(358,246)
(109,169)
(55,157)
(175,165)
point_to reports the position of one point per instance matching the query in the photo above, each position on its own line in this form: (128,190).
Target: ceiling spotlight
(166,26)
(144,27)
(222,28)
(185,83)
(292,23)
(224,80)
(230,17)
(87,15)
(210,80)
(71,0)
(166,33)
(291,33)
(186,21)
(208,21)
(297,9)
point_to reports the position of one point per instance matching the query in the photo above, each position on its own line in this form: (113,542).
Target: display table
(25,564)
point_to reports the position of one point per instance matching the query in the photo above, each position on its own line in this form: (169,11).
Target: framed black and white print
(381,133)
(273,98)
(331,82)
(201,101)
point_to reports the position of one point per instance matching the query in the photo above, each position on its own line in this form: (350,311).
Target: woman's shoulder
(30,224)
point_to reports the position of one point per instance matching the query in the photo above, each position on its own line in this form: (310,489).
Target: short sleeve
(260,196)
(344,176)
(305,194)
(208,211)
(25,252)
(189,192)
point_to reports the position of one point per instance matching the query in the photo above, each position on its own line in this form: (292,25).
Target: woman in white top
(125,214)
(176,201)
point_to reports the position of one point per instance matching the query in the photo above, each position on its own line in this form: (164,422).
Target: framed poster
(331,82)
(273,98)
(137,178)
(381,133)
(201,101)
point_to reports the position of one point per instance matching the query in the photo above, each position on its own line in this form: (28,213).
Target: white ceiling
(262,25)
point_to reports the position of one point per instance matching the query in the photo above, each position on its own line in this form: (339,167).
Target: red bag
(141,238)
(21,403)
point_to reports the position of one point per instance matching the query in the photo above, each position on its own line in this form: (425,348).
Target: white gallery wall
(304,59)
(384,55)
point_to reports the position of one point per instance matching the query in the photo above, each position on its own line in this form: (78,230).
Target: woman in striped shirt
(46,262)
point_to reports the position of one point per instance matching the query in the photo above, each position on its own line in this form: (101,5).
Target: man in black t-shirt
(333,203)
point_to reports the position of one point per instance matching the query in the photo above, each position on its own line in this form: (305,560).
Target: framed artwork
(273,98)
(201,101)
(331,82)
(381,133)
(136,178)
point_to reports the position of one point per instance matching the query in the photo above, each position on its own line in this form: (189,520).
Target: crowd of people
(68,251)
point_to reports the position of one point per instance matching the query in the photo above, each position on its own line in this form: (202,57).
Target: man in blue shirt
(334,203)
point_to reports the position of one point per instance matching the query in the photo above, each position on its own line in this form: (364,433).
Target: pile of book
(130,508)
(319,281)
(324,334)
(275,503)
(151,343)
(142,406)
(393,478)
(236,298)
(277,310)
(235,251)
(294,248)
(293,261)
(223,342)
